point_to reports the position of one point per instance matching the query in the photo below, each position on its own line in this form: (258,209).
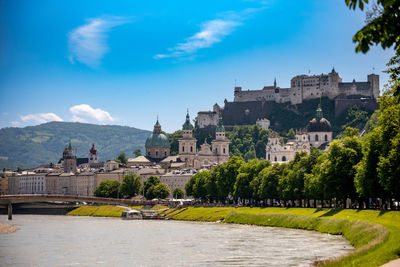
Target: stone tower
(69,160)
(187,144)
(93,155)
(220,145)
(373,79)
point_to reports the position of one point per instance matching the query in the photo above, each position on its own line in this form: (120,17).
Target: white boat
(132,215)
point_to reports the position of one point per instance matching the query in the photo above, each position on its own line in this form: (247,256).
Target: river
(89,241)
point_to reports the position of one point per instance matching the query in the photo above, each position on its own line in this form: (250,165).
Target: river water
(89,241)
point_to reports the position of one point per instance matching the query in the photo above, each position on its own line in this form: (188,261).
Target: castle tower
(93,155)
(220,145)
(69,160)
(187,144)
(373,79)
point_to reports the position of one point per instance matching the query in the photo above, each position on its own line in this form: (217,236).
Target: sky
(127,62)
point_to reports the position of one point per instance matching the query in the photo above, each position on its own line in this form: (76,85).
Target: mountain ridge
(31,146)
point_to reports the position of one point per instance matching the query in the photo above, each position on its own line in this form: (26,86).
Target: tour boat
(132,215)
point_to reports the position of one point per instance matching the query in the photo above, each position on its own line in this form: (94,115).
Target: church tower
(220,145)
(69,160)
(187,144)
(93,155)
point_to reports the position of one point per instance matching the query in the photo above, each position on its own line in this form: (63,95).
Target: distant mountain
(34,145)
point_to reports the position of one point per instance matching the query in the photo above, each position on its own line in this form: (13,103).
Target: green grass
(98,211)
(375,235)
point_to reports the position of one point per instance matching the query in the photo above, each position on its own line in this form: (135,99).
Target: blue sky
(125,62)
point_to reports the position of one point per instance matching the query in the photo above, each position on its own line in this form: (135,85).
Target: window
(316,137)
(165,153)
(191,149)
(326,137)
(148,154)
(183,148)
(283,158)
(269,157)
(224,150)
(275,159)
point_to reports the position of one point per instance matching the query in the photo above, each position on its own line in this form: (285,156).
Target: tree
(269,177)
(382,26)
(199,187)
(161,191)
(121,158)
(178,193)
(189,186)
(130,185)
(226,177)
(107,189)
(148,186)
(173,140)
(137,152)
(243,187)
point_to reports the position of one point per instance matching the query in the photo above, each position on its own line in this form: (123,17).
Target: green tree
(148,186)
(130,185)
(248,171)
(107,189)
(173,140)
(269,177)
(189,186)
(382,26)
(121,158)
(226,176)
(137,152)
(161,191)
(199,187)
(178,193)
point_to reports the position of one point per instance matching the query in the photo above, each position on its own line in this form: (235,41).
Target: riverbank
(375,235)
(7,228)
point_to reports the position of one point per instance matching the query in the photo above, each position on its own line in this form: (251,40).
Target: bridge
(13,199)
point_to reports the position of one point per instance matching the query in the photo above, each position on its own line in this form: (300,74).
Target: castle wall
(342,105)
(207,118)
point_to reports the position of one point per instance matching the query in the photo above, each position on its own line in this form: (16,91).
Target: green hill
(34,145)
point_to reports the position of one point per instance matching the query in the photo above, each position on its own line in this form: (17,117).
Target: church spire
(275,82)
(319,114)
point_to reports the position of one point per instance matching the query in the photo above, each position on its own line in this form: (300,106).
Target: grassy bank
(374,234)
(98,211)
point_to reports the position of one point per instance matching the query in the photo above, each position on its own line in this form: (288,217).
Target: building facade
(208,155)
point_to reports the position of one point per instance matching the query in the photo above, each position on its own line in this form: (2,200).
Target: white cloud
(85,113)
(39,118)
(211,32)
(88,43)
(15,123)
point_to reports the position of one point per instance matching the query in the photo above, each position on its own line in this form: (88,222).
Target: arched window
(165,153)
(275,159)
(148,153)
(183,148)
(216,150)
(191,149)
(269,156)
(224,150)
(283,158)
(316,137)
(326,137)
(156,153)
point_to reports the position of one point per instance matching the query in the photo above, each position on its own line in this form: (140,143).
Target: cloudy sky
(125,62)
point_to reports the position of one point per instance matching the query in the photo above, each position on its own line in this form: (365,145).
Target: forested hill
(34,145)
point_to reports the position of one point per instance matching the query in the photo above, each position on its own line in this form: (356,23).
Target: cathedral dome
(157,139)
(319,124)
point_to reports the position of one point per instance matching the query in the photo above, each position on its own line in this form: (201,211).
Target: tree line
(131,186)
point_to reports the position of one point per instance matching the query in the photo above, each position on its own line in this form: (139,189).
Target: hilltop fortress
(254,105)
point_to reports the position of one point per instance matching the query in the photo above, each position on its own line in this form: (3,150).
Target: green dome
(187,125)
(157,140)
(220,127)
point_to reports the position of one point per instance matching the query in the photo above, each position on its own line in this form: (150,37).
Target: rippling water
(88,241)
